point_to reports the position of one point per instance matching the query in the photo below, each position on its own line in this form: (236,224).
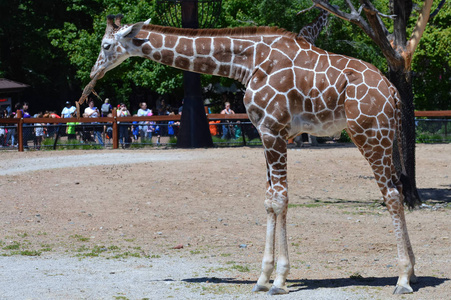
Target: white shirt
(143,113)
(67,112)
(92,111)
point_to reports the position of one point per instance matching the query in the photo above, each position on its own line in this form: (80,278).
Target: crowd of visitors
(144,132)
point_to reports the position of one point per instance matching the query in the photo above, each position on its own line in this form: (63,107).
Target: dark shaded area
(436,195)
(312,284)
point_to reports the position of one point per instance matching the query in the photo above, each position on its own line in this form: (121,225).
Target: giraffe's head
(117,45)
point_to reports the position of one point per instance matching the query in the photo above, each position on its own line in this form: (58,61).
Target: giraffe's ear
(129,32)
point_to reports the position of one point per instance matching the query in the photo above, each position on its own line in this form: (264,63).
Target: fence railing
(110,131)
(115,131)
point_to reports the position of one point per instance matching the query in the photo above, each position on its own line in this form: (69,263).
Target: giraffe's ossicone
(292,87)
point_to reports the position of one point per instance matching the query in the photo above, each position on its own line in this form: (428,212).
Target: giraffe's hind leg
(375,142)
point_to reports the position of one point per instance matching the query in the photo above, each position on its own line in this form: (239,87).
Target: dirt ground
(206,205)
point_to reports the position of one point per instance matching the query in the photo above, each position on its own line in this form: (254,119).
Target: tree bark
(194,131)
(401,79)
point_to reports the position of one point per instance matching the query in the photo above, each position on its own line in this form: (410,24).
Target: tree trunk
(194,131)
(399,52)
(401,78)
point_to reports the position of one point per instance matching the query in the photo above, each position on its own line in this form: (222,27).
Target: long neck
(312,30)
(196,51)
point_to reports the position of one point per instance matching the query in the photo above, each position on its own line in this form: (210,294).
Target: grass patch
(127,254)
(46,247)
(94,252)
(80,238)
(14,246)
(241,268)
(30,253)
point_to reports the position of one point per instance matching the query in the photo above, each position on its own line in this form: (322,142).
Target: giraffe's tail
(411,196)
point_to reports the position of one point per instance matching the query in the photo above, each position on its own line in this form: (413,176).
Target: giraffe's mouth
(89,88)
(99,74)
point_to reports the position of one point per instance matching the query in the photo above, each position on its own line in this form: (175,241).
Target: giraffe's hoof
(413,279)
(277,291)
(402,290)
(260,288)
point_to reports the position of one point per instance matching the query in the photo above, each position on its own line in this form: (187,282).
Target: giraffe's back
(305,88)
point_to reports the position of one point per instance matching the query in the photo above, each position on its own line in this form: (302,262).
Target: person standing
(11,135)
(123,128)
(71,132)
(39,133)
(106,108)
(227,129)
(27,131)
(143,111)
(93,112)
(68,110)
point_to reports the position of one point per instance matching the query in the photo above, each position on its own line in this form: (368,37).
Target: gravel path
(61,277)
(133,278)
(321,269)
(21,165)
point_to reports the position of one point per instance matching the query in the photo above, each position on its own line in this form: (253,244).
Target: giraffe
(310,33)
(291,87)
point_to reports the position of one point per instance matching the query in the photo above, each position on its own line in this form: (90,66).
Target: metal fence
(128,132)
(433,130)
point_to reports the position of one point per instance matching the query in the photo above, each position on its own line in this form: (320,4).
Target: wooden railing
(433,113)
(113,121)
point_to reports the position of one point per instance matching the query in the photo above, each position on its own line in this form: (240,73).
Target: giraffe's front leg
(276,205)
(283,262)
(276,219)
(268,256)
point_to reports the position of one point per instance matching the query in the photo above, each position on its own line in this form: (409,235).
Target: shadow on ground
(312,284)
(436,195)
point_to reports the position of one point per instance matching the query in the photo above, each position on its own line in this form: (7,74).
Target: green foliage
(432,64)
(281,13)
(344,137)
(52,46)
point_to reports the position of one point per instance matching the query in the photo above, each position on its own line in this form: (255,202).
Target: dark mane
(229,32)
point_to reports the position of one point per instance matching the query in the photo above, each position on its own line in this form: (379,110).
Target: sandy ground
(190,224)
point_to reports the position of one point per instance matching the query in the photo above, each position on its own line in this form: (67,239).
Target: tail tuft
(411,196)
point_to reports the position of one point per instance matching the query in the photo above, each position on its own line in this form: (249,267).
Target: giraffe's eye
(107,46)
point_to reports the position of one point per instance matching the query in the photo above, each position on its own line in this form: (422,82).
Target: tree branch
(381,34)
(372,15)
(419,27)
(440,5)
(376,30)
(351,7)
(353,17)
(386,16)
(306,10)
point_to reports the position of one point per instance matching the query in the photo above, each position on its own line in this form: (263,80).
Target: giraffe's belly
(312,124)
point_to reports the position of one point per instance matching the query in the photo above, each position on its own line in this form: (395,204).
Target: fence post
(20,130)
(242,133)
(446,130)
(115,130)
